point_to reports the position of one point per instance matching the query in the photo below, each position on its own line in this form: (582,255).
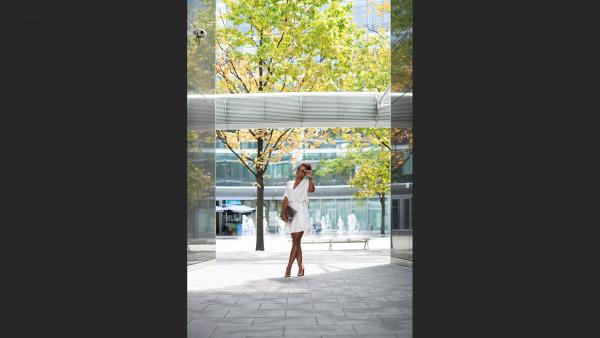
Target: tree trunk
(382,200)
(260,202)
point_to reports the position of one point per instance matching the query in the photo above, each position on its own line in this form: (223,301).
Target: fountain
(340,225)
(352,224)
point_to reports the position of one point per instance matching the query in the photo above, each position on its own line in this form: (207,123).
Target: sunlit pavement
(345,292)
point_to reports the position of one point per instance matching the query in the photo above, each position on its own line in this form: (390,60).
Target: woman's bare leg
(292,254)
(299,250)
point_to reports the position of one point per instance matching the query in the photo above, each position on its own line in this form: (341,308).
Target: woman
(296,196)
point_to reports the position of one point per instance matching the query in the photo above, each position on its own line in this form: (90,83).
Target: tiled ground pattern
(373,301)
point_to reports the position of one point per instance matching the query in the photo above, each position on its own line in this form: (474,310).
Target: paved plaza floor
(347,292)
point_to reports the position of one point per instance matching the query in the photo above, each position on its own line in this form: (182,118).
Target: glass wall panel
(374,214)
(201,216)
(401,122)
(359,209)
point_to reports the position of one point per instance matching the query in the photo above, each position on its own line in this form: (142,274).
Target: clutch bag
(290,212)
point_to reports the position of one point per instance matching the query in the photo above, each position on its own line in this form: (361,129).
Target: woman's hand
(308,173)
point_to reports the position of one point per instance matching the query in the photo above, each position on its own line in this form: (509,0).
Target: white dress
(298,200)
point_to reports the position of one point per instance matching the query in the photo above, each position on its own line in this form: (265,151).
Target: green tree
(291,46)
(370,158)
(301,45)
(270,146)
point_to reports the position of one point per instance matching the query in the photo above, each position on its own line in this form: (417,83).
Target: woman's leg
(292,254)
(299,250)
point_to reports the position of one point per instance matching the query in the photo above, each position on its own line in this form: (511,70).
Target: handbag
(290,212)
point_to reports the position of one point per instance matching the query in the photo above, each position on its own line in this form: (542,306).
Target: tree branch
(252,75)
(230,85)
(238,76)
(273,147)
(221,135)
(279,139)
(375,31)
(382,141)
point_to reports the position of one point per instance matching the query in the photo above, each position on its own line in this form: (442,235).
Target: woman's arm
(311,187)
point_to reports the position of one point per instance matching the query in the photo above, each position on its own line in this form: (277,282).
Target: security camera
(200,33)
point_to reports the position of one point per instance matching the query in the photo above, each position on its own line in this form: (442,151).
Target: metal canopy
(310,109)
(276,192)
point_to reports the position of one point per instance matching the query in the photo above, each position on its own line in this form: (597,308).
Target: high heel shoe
(288,274)
(301,274)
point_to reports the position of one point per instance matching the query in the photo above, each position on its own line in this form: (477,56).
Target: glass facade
(329,212)
(200,133)
(211,165)
(401,121)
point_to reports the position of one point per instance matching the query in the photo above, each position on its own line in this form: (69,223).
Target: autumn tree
(300,45)
(291,46)
(368,159)
(271,145)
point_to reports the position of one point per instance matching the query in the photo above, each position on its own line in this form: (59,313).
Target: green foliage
(373,173)
(339,167)
(368,155)
(302,45)
(402,42)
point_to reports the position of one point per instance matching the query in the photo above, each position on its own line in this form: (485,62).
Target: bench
(349,240)
(336,240)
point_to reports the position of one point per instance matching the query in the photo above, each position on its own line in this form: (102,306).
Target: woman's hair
(306,165)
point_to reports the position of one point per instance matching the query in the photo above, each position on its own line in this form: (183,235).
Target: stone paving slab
(255,313)
(397,320)
(368,320)
(201,331)
(363,301)
(323,312)
(380,329)
(239,321)
(374,311)
(220,313)
(341,329)
(286,321)
(320,306)
(360,336)
(245,331)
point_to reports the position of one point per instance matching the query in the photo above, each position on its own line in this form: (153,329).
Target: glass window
(314,211)
(396,214)
(374,207)
(406,224)
(286,171)
(235,170)
(247,177)
(359,209)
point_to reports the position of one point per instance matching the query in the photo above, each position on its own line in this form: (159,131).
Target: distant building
(331,201)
